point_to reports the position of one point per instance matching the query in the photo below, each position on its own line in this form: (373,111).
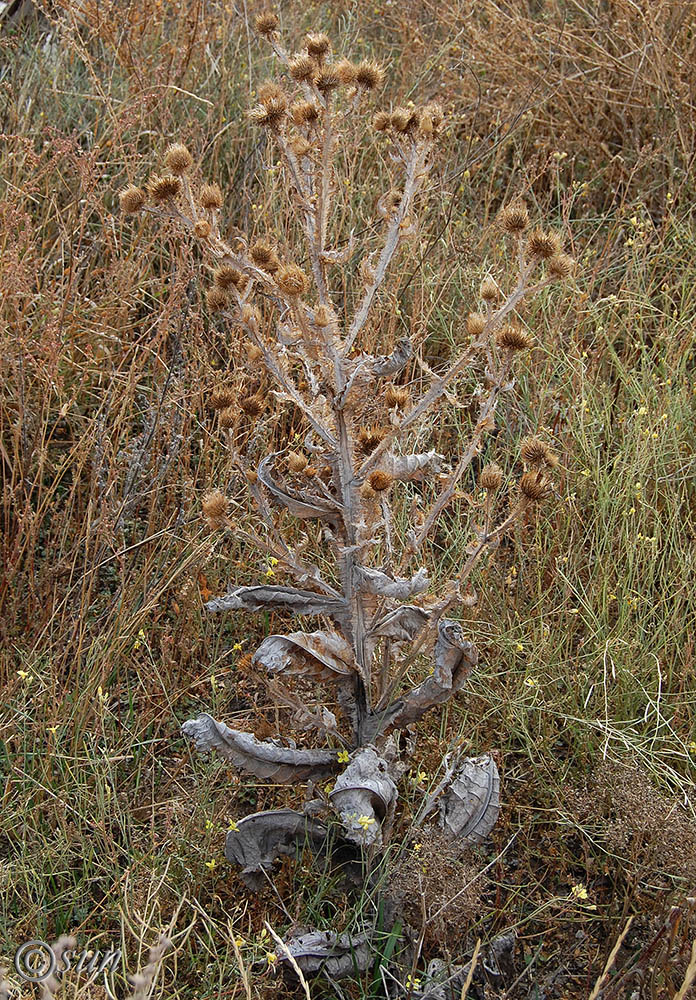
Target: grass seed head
(163,189)
(177,159)
(132,199)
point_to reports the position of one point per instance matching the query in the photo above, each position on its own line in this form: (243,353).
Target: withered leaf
(290,599)
(455,657)
(323,656)
(304,505)
(260,839)
(401,625)
(412,468)
(397,588)
(396,361)
(469,808)
(365,796)
(264,760)
(338,955)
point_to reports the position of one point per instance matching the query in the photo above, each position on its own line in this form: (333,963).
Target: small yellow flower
(580,892)
(141,638)
(271,957)
(417,848)
(692,747)
(239,941)
(270,573)
(210,865)
(53,730)
(237,648)
(23,674)
(421,776)
(531,682)
(209,824)
(366,821)
(343,756)
(273,562)
(519,647)
(413,982)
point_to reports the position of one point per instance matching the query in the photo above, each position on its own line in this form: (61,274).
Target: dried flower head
(346,71)
(513,338)
(227,276)
(323,316)
(317,45)
(382,121)
(215,507)
(202,229)
(270,114)
(302,68)
(210,197)
(475,324)
(265,256)
(177,159)
(491,477)
(489,290)
(396,396)
(266,23)
(300,146)
(534,486)
(222,396)
(514,218)
(542,245)
(132,199)
(253,406)
(561,266)
(251,316)
(163,189)
(297,462)
(369,75)
(292,280)
(254,353)
(327,79)
(370,437)
(304,113)
(216,299)
(229,417)
(536,453)
(380,480)
(405,120)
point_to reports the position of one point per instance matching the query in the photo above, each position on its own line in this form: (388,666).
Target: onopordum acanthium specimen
(374,618)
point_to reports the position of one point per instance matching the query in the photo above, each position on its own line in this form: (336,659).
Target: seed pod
(369,75)
(254,353)
(265,256)
(304,113)
(266,23)
(561,266)
(382,121)
(163,189)
(475,324)
(270,115)
(229,417)
(214,509)
(380,480)
(177,159)
(251,476)
(300,146)
(216,299)
(346,71)
(513,338)
(491,477)
(202,229)
(292,280)
(514,218)
(327,79)
(227,276)
(370,437)
(489,290)
(396,396)
(317,45)
(253,406)
(297,462)
(302,68)
(534,486)
(322,316)
(131,199)
(543,245)
(536,453)
(210,196)
(222,396)
(405,120)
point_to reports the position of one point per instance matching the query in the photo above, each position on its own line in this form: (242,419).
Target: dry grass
(107,447)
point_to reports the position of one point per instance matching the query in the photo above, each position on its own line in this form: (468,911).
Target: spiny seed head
(317,45)
(216,299)
(369,75)
(266,23)
(162,189)
(270,91)
(292,280)
(177,159)
(302,68)
(380,480)
(489,290)
(304,113)
(252,405)
(327,79)
(322,316)
(431,119)
(251,477)
(346,71)
(254,353)
(561,266)
(202,229)
(132,199)
(405,120)
(229,417)
(251,316)
(542,245)
(222,396)
(297,462)
(513,338)
(300,146)
(210,196)
(370,437)
(265,256)
(535,452)
(382,121)
(227,276)
(214,509)
(269,115)
(475,324)
(491,477)
(514,218)
(396,396)
(534,486)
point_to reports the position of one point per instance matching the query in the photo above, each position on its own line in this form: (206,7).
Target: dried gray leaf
(323,656)
(455,657)
(337,955)
(304,505)
(398,588)
(365,797)
(401,625)
(260,839)
(264,760)
(470,806)
(393,363)
(412,468)
(290,599)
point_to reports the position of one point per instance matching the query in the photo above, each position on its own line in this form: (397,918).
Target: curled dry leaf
(264,760)
(412,468)
(303,505)
(290,599)
(455,658)
(337,955)
(323,656)
(394,362)
(469,807)
(365,796)
(398,588)
(261,838)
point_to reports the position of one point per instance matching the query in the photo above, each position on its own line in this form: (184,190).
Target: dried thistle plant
(306,349)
